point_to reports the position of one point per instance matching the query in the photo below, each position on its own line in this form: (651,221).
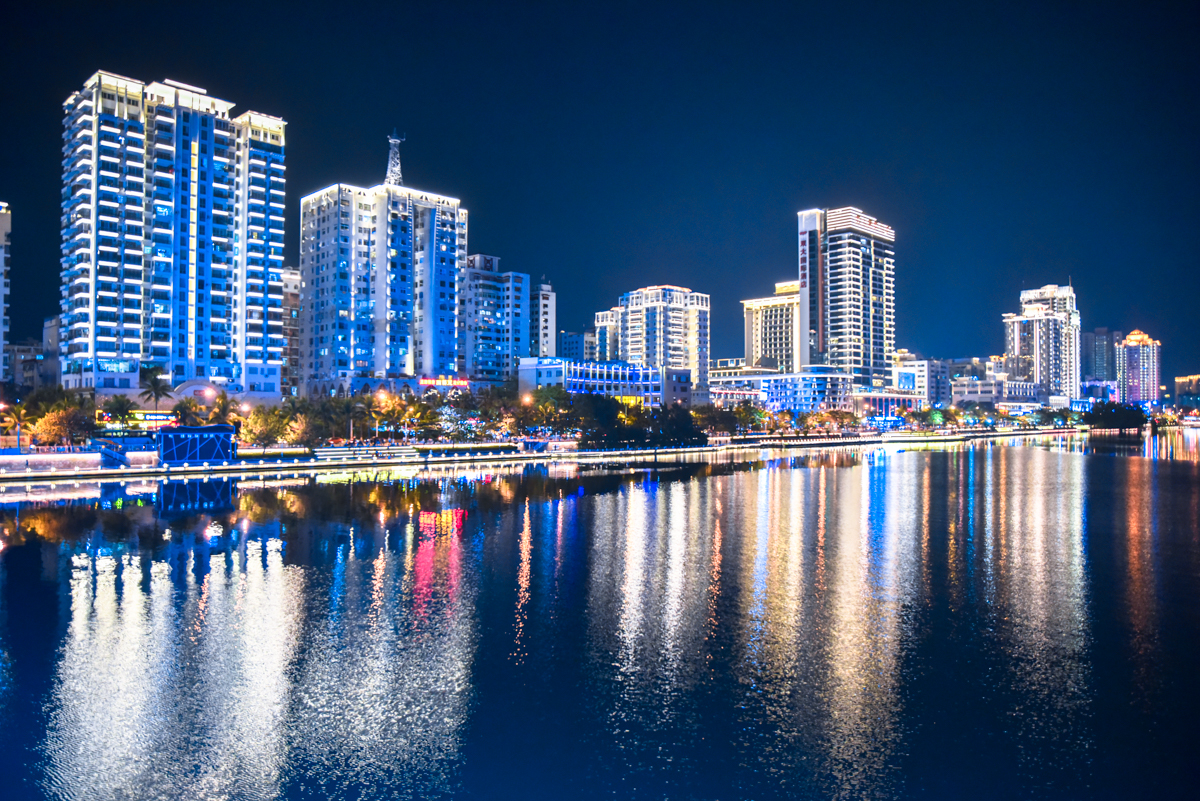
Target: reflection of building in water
(388,660)
(1041,602)
(140,671)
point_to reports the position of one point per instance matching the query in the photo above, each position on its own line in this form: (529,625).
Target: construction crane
(394,178)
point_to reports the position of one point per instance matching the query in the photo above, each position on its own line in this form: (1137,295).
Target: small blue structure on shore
(195,445)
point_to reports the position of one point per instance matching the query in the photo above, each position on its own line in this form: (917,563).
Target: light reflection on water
(899,624)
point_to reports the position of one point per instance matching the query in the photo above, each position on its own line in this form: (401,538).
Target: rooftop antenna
(394,178)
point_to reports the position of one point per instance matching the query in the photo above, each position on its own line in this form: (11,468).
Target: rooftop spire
(394,178)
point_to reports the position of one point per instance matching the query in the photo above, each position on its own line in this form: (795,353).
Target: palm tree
(187,412)
(155,389)
(17,417)
(120,408)
(222,409)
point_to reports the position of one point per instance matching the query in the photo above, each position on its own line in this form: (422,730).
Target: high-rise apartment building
(847,293)
(1138,359)
(1097,361)
(380,267)
(494,320)
(543,334)
(659,326)
(172,237)
(5,246)
(1042,341)
(774,334)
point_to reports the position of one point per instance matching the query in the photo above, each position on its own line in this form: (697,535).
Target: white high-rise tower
(1042,341)
(847,290)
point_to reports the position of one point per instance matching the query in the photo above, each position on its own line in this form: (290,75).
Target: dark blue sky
(620,145)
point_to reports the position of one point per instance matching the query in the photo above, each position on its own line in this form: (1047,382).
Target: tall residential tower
(847,293)
(380,267)
(1042,342)
(1138,360)
(172,238)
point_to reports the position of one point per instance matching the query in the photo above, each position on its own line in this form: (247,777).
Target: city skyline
(675,136)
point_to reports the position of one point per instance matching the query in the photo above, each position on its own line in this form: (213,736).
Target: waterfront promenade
(42,468)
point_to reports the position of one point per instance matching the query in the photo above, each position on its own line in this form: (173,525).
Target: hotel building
(1138,360)
(775,334)
(659,326)
(847,293)
(1042,342)
(380,267)
(172,238)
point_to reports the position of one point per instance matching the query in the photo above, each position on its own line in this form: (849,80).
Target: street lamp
(245,407)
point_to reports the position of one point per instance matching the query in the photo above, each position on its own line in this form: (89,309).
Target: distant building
(998,390)
(1097,360)
(659,326)
(543,318)
(1138,358)
(1187,391)
(6,371)
(813,388)
(1042,341)
(51,371)
(774,331)
(928,378)
(847,293)
(630,383)
(579,347)
(495,320)
(290,373)
(24,360)
(172,237)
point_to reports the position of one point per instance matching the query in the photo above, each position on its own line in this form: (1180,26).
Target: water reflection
(833,625)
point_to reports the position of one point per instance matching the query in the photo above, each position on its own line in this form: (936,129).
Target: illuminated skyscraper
(1138,358)
(1042,341)
(380,267)
(172,238)
(847,293)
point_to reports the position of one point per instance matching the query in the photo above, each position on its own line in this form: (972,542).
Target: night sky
(620,145)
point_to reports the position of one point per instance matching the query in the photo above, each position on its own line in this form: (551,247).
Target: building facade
(630,383)
(928,378)
(6,372)
(578,347)
(543,330)
(659,326)
(1138,359)
(774,333)
(172,238)
(290,371)
(814,388)
(380,268)
(1042,342)
(1187,391)
(494,320)
(848,292)
(1097,360)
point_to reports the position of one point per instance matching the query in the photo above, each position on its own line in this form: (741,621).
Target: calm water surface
(1000,621)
